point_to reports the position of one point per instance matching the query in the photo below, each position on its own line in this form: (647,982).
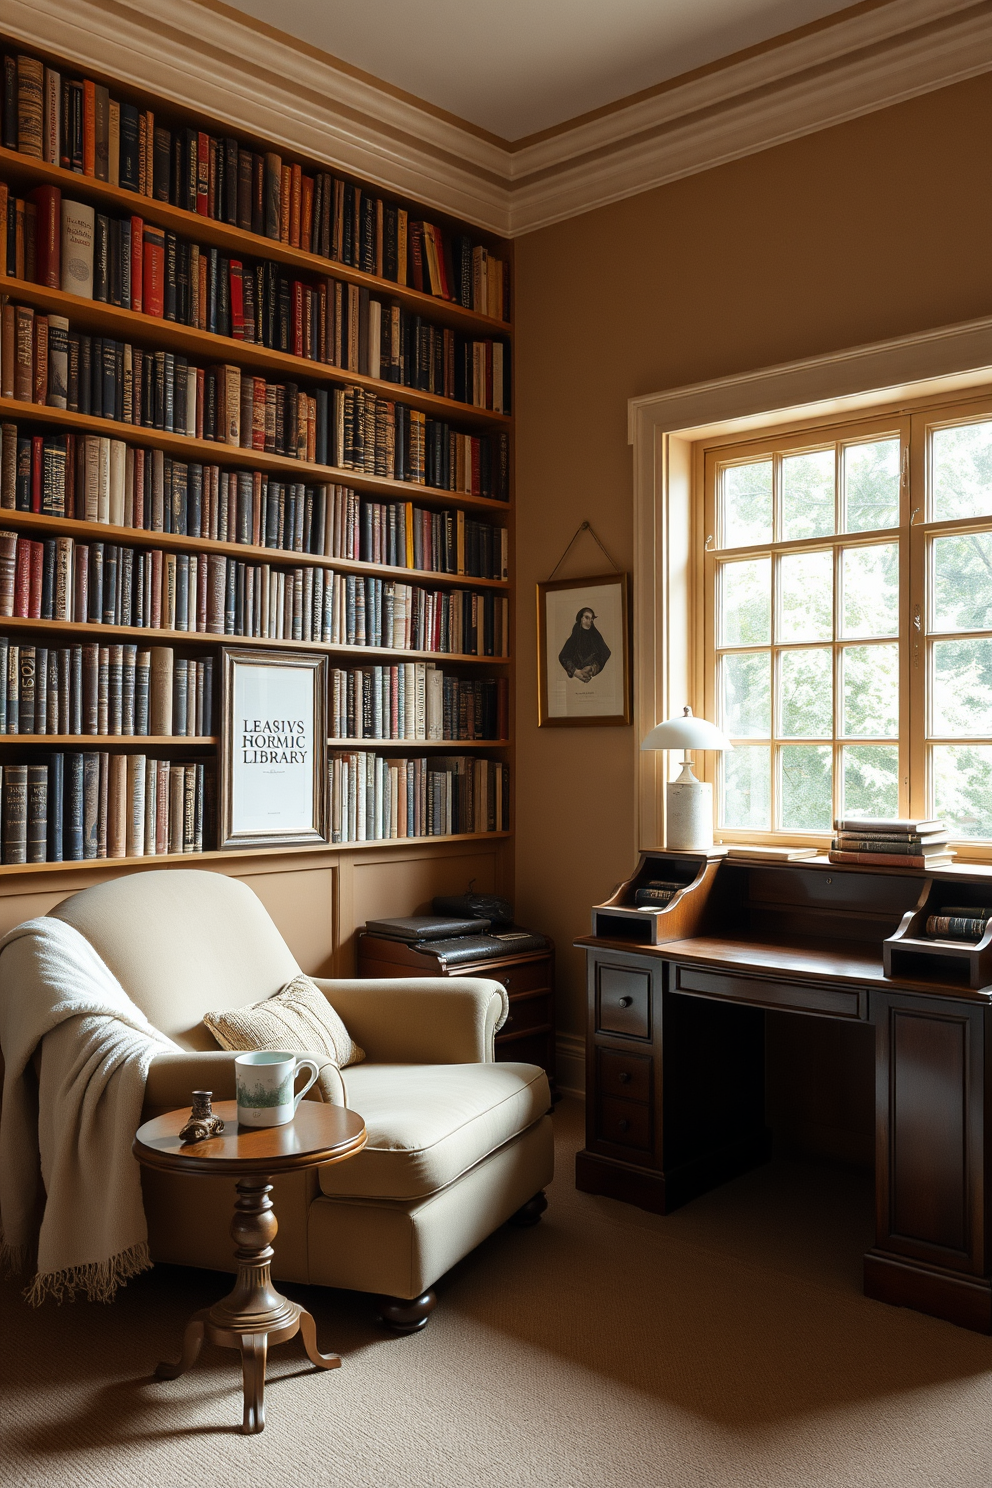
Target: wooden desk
(675,1049)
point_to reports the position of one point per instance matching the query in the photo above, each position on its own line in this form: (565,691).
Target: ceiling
(516,67)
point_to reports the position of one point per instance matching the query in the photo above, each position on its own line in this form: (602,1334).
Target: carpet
(725,1346)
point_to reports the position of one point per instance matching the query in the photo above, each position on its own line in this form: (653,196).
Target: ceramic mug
(265,1081)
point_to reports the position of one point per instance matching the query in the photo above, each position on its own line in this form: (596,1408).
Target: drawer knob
(623,1124)
(626,1001)
(624,1077)
(505,979)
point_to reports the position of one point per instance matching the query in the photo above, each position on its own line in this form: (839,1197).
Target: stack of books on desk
(891,842)
(965,922)
(656,893)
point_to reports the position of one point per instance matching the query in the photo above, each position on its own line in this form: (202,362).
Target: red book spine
(297,318)
(306,216)
(22,579)
(40,389)
(89,127)
(237,296)
(37,568)
(48,236)
(81,578)
(137,262)
(416,237)
(37,470)
(154,278)
(139,488)
(202,173)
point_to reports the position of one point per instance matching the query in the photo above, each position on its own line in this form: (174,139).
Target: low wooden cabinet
(528,1035)
(675,1052)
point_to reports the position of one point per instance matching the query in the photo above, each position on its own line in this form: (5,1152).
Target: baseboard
(964,1300)
(570,1069)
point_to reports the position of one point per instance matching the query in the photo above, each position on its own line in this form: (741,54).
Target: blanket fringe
(16,1259)
(98,1279)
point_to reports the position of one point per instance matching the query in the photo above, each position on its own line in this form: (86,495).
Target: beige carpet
(728,1344)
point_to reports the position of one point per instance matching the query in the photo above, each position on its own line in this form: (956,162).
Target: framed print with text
(273,784)
(583,651)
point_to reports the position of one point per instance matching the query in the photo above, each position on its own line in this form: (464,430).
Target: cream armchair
(457,1143)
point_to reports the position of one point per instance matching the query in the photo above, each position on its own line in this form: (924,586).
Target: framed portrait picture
(273,779)
(583,651)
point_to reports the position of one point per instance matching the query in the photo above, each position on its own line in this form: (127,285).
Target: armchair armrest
(420,1020)
(172,1078)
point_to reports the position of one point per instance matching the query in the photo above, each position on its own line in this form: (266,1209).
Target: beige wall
(872,229)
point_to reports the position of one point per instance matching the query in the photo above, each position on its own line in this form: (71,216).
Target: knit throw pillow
(297,1018)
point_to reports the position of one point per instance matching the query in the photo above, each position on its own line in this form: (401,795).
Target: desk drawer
(625,1122)
(623,1001)
(797,997)
(527,976)
(626,1075)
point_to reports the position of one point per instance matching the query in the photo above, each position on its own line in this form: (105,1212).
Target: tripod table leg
(254,1348)
(192,1343)
(308,1332)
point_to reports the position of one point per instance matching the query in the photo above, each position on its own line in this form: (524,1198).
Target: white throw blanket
(70,1189)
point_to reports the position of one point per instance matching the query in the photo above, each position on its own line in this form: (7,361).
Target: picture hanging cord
(583,527)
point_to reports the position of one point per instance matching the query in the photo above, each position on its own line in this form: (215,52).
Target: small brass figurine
(202,1122)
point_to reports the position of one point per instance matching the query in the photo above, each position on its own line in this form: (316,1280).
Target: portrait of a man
(584,650)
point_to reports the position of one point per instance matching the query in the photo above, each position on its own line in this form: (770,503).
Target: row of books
(891,842)
(76,124)
(75,806)
(100,583)
(966,922)
(115,690)
(95,479)
(415,700)
(373,797)
(656,893)
(42,362)
(133,265)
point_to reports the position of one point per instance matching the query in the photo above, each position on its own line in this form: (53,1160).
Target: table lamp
(689,801)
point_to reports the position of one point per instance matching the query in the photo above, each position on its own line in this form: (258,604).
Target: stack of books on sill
(890,842)
(962,922)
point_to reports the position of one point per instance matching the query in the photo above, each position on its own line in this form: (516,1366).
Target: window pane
(807,694)
(962,687)
(871,780)
(962,788)
(747,710)
(962,582)
(808,495)
(746,602)
(807,585)
(747,505)
(807,795)
(871,485)
(961,466)
(871,691)
(747,787)
(870,578)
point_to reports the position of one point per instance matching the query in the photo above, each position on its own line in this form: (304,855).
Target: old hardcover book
(15,814)
(30,106)
(37,814)
(892,860)
(78,234)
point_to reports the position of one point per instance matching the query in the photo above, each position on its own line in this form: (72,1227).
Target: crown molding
(206,57)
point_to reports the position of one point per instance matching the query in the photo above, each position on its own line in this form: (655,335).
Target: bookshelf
(343,875)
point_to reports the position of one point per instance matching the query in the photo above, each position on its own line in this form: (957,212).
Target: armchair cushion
(297,1018)
(428,1124)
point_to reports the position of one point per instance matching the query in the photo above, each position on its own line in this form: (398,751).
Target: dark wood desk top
(317,1134)
(815,960)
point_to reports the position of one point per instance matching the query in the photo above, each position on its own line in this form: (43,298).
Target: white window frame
(668,431)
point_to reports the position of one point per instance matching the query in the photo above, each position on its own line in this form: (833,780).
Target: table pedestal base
(253,1315)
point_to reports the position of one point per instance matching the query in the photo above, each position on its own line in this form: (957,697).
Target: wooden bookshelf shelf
(448,746)
(205,348)
(31,172)
(139,537)
(101,741)
(212,452)
(18,624)
(194,859)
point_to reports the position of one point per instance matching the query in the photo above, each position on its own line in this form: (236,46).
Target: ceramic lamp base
(690,815)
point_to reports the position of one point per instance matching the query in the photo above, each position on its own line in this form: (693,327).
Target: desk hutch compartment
(912,953)
(620,919)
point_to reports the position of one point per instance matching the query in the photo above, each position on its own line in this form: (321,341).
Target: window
(847,593)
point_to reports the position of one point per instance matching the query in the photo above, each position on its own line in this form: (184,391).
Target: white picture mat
(272,795)
(603,695)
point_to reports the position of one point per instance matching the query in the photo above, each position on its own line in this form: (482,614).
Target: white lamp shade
(686,732)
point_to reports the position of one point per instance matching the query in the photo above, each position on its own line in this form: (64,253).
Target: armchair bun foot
(407,1315)
(530,1213)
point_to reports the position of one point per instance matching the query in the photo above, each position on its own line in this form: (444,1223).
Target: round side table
(253,1315)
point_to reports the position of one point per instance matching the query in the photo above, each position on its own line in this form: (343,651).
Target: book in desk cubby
(242,395)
